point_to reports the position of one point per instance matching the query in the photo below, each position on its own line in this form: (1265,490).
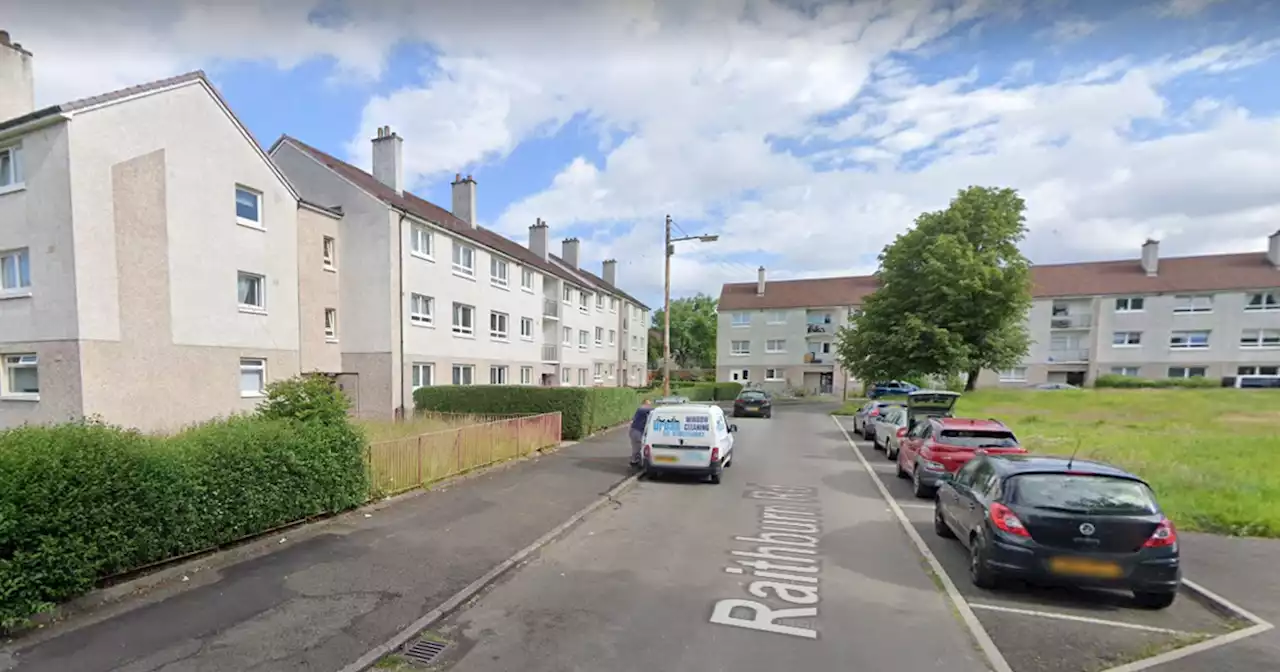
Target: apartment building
(1204,316)
(152,258)
(431,298)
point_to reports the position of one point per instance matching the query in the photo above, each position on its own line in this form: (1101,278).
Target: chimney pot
(388,159)
(538,239)
(17,90)
(1151,257)
(760,282)
(610,271)
(569,252)
(464,200)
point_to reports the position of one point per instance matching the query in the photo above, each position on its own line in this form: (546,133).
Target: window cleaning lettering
(686,427)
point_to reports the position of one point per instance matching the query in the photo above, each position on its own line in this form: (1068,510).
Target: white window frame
(599,334)
(566,376)
(1187,344)
(600,302)
(583,339)
(777,317)
(613,337)
(566,295)
(16,259)
(498,375)
(1263,339)
(331,325)
(1187,371)
(737,351)
(1125,304)
(259,308)
(15,183)
(582,377)
(775,346)
(463,374)
(464,260)
(422,310)
(1254,370)
(1128,341)
(499,326)
(257,196)
(1194,304)
(526,279)
(526,328)
(613,304)
(740,319)
(1016,374)
(567,334)
(584,302)
(774,375)
(459,328)
(1125,371)
(526,375)
(423,374)
(13,362)
(422,242)
(1267,301)
(499,272)
(597,374)
(253,365)
(329,250)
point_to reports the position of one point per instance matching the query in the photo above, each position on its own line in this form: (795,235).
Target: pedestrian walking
(638,422)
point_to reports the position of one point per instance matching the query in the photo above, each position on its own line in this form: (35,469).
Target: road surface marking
(789,528)
(906,505)
(1076,619)
(994,657)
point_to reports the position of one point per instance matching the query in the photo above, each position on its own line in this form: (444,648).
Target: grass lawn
(1212,455)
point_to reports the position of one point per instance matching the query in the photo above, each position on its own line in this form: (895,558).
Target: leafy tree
(954,292)
(693,332)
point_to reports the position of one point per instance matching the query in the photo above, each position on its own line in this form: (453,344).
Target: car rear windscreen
(751,396)
(1083,494)
(978,438)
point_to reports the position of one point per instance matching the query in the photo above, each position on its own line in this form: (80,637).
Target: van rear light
(715,454)
(1163,537)
(902,431)
(647,451)
(1007,521)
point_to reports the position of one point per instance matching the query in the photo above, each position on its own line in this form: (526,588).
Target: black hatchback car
(1060,521)
(753,402)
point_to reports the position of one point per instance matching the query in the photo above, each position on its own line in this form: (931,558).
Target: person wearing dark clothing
(638,422)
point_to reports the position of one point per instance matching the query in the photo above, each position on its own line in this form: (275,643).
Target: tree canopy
(693,332)
(953,296)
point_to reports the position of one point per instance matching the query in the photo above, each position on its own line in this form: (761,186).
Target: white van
(691,439)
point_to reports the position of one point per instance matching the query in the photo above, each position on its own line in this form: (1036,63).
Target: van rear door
(681,438)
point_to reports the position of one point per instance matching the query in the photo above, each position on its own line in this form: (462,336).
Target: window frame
(526,375)
(584,337)
(1123,371)
(1128,304)
(526,321)
(567,336)
(457,372)
(566,376)
(501,373)
(258,223)
(584,301)
(733,348)
(259,308)
(776,317)
(613,337)
(17,181)
(775,378)
(419,318)
(1260,340)
(1010,374)
(464,330)
(329,253)
(499,272)
(258,365)
(422,242)
(415,375)
(526,273)
(1127,343)
(499,326)
(599,337)
(1264,306)
(464,260)
(20,261)
(1191,308)
(10,362)
(775,351)
(331,325)
(734,322)
(613,304)
(1190,345)
(1187,369)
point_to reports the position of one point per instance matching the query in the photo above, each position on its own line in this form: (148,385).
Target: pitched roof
(1208,273)
(593,279)
(437,215)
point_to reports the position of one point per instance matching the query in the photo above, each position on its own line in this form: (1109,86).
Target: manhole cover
(425,651)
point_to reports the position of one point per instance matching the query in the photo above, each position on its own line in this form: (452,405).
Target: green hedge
(83,501)
(1117,381)
(583,410)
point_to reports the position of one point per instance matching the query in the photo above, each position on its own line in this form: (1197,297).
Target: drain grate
(425,651)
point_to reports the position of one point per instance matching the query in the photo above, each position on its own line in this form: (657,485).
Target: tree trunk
(972,382)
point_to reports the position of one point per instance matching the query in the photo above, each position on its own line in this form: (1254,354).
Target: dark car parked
(1061,521)
(753,402)
(891,388)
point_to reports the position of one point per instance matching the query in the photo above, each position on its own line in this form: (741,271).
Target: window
(252,292)
(582,339)
(421,242)
(421,309)
(526,279)
(600,302)
(1126,339)
(248,207)
(498,327)
(526,328)
(331,325)
(567,294)
(463,374)
(775,345)
(613,336)
(773,375)
(613,304)
(497,375)
(599,373)
(330,248)
(1186,303)
(21,377)
(583,299)
(1258,371)
(740,347)
(1189,340)
(1017,374)
(10,167)
(740,319)
(253,377)
(582,377)
(777,317)
(526,375)
(1260,338)
(1129,304)
(464,260)
(464,319)
(566,376)
(568,336)
(15,270)
(1186,371)
(599,336)
(499,272)
(423,375)
(1258,301)
(1131,371)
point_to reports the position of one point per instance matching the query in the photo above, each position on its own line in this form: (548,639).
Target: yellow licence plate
(1085,567)
(665,458)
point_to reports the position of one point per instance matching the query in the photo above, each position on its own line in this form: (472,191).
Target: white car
(691,439)
(890,427)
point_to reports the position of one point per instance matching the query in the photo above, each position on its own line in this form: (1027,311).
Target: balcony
(1071,322)
(550,354)
(816,329)
(1068,356)
(551,309)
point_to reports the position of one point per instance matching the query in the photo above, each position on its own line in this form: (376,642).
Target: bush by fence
(1131,382)
(583,410)
(83,501)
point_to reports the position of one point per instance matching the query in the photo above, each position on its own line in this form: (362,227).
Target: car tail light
(1006,521)
(874,411)
(902,431)
(647,452)
(1163,537)
(715,454)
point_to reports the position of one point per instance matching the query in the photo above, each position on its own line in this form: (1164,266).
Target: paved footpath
(324,600)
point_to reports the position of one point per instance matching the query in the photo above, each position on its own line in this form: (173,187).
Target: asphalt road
(638,585)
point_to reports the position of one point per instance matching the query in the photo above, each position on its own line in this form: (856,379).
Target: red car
(938,445)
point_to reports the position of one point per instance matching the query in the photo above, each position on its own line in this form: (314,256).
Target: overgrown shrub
(86,500)
(728,391)
(307,398)
(583,410)
(1132,382)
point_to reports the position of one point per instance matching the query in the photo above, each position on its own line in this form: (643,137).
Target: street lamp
(668,250)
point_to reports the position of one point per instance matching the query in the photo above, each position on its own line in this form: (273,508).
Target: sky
(806,134)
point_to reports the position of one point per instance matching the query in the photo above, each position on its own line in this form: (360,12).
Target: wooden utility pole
(668,249)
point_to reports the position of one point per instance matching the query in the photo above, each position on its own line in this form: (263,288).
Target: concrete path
(322,601)
(649,584)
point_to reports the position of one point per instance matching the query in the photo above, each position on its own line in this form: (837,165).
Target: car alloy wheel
(918,488)
(940,525)
(979,573)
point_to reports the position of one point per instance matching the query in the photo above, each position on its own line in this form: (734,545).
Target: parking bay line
(976,629)
(1076,619)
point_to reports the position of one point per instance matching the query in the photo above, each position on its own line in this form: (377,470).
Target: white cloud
(1069,30)
(1184,8)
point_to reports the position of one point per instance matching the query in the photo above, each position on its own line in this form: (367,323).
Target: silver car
(889,427)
